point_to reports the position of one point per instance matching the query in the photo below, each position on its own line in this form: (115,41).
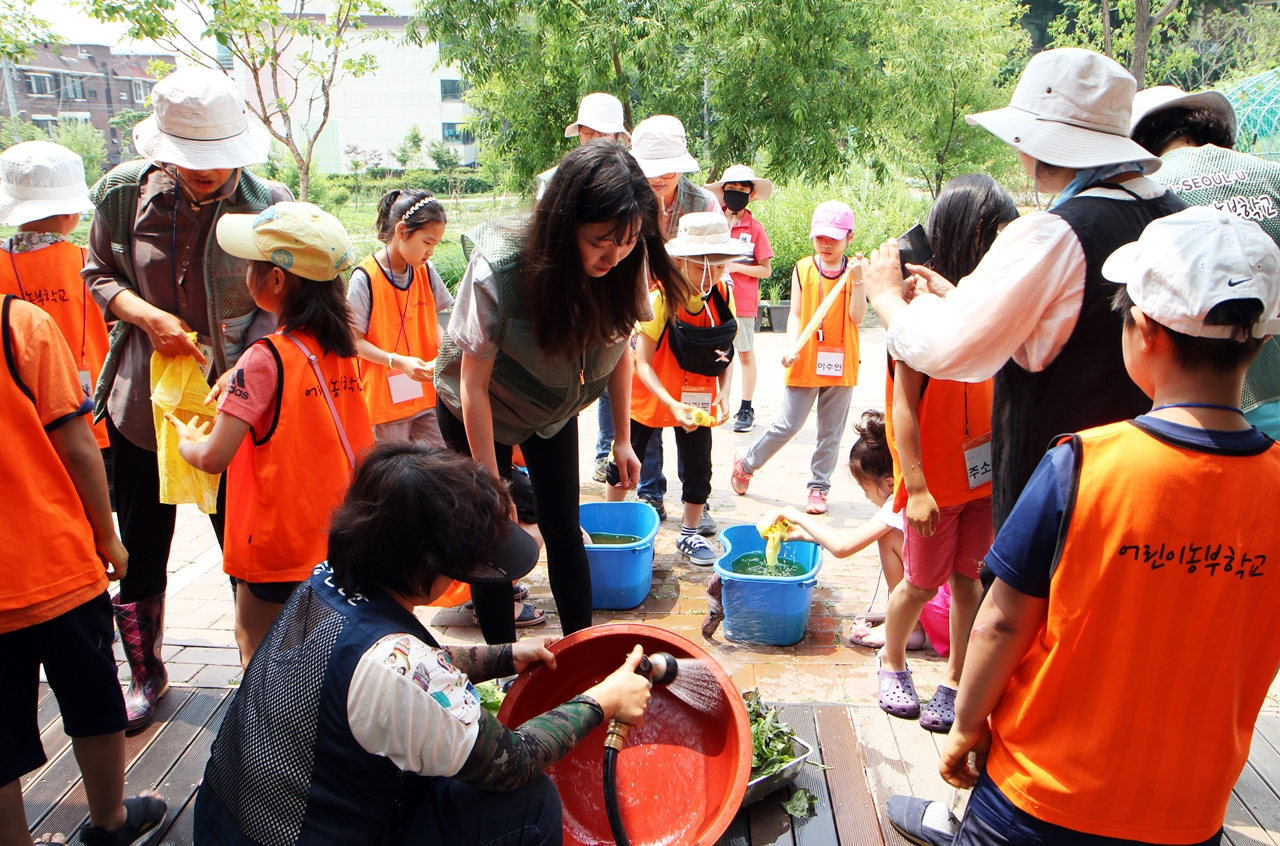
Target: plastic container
(621,574)
(770,610)
(682,775)
(758,788)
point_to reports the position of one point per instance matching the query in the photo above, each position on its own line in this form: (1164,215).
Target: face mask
(736,201)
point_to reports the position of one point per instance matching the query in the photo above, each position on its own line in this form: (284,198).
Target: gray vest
(529,392)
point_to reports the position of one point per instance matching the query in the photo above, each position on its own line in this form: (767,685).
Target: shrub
(339,197)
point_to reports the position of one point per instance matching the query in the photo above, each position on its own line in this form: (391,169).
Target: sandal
(530,615)
(940,713)
(142,813)
(915,641)
(519,591)
(898,693)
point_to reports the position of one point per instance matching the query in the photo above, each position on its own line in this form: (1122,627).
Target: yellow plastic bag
(177,385)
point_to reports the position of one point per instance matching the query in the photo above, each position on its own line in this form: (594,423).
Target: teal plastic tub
(621,574)
(769,610)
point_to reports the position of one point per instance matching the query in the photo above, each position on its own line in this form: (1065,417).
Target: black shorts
(276,592)
(75,649)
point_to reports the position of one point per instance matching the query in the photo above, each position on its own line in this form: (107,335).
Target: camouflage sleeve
(482,663)
(503,759)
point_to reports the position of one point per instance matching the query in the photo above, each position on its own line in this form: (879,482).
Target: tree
(447,163)
(15,130)
(1130,28)
(22,28)
(410,149)
(85,140)
(359,161)
(919,123)
(292,54)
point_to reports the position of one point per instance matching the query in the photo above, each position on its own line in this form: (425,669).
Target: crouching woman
(352,725)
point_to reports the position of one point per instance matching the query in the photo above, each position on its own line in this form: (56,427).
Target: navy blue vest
(285,767)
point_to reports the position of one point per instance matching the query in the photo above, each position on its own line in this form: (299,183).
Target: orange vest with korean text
(50,278)
(282,488)
(838,334)
(645,407)
(1116,723)
(405,323)
(48,549)
(949,415)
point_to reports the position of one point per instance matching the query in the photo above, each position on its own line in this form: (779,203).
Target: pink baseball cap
(832,219)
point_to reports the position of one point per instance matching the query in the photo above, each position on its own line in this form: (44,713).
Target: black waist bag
(705,350)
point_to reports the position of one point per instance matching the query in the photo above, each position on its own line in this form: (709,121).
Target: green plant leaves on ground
(771,739)
(802,804)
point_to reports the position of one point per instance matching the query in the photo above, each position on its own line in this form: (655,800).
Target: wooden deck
(866,757)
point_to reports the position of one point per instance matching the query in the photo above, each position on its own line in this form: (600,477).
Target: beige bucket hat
(199,120)
(659,147)
(601,112)
(39,179)
(1151,100)
(705,236)
(741,173)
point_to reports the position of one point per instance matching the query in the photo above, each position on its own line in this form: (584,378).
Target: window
(451,90)
(93,93)
(124,95)
(44,121)
(453,133)
(73,117)
(72,87)
(40,84)
(141,90)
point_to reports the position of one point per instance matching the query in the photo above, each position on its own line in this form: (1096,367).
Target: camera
(913,248)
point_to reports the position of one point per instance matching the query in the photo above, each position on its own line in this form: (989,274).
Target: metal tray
(761,787)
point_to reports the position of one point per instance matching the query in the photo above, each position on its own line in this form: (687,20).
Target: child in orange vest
(43,193)
(665,389)
(58,552)
(941,433)
(291,419)
(825,369)
(395,300)
(1124,533)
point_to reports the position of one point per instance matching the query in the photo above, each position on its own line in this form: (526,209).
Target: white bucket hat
(601,112)
(1071,109)
(741,173)
(1184,264)
(39,179)
(1151,100)
(705,235)
(200,121)
(659,147)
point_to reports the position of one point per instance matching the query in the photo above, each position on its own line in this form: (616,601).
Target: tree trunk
(623,94)
(1106,30)
(304,179)
(1143,24)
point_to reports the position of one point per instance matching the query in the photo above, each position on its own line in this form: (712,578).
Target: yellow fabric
(774,534)
(177,385)
(653,328)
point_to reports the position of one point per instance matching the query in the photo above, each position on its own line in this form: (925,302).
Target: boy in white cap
(600,118)
(155,266)
(737,187)
(1194,135)
(1124,533)
(43,193)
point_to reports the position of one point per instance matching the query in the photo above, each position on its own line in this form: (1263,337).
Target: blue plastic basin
(621,574)
(772,610)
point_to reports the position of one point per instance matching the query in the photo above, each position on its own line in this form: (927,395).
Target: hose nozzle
(659,668)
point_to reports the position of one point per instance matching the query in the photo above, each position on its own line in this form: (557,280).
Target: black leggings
(694,451)
(146,524)
(553,469)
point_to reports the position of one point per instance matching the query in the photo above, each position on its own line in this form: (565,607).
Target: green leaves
(802,804)
(23,27)
(491,696)
(771,739)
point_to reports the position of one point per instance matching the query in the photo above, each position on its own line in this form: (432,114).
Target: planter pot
(778,314)
(770,610)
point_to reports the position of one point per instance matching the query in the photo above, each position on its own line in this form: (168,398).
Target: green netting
(1257,105)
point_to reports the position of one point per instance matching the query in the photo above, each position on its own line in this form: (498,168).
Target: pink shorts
(958,545)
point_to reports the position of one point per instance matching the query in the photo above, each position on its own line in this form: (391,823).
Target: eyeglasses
(666,177)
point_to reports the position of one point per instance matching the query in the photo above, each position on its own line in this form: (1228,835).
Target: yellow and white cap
(301,238)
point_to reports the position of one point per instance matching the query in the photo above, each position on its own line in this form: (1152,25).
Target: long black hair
(595,183)
(411,206)
(964,222)
(318,308)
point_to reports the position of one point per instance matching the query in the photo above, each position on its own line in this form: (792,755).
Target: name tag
(403,388)
(830,362)
(977,460)
(696,397)
(206,350)
(85,383)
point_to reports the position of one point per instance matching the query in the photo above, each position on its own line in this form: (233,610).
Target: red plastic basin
(683,773)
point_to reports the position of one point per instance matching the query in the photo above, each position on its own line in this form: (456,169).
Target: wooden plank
(852,802)
(770,825)
(886,772)
(73,808)
(1241,828)
(1265,758)
(820,829)
(962,796)
(737,834)
(920,757)
(47,707)
(179,784)
(182,831)
(55,742)
(1257,796)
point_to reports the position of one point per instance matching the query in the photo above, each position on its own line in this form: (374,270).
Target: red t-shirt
(746,289)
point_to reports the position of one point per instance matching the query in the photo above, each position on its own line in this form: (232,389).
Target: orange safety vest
(1115,723)
(282,488)
(839,335)
(949,415)
(48,549)
(645,407)
(50,278)
(405,323)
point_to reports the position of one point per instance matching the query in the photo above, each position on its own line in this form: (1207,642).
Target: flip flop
(940,713)
(915,641)
(519,591)
(897,693)
(906,814)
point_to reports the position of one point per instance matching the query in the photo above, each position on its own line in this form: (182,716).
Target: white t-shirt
(410,704)
(886,515)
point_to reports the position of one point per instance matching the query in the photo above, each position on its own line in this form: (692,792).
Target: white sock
(938,817)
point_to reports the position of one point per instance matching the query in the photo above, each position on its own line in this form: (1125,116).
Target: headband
(404,218)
